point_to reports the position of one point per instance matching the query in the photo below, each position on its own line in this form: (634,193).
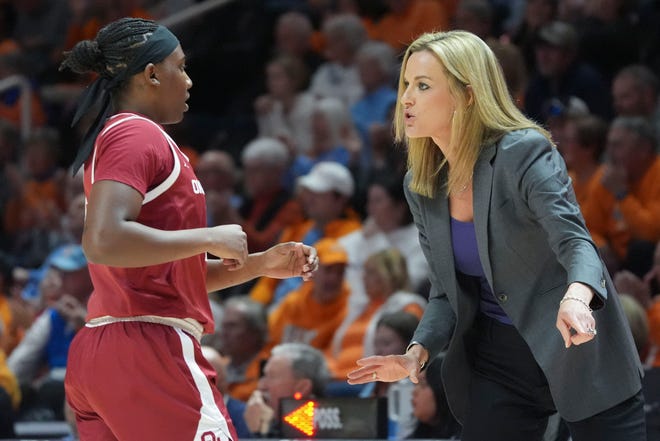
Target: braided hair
(121,49)
(112,50)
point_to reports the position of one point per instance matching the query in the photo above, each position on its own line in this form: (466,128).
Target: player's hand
(291,259)
(229,242)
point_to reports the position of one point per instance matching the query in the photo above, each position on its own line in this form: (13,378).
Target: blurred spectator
(645,291)
(325,193)
(514,68)
(33,215)
(430,406)
(10,182)
(293,38)
(376,64)
(69,232)
(639,325)
(581,144)
(388,225)
(333,133)
(40,31)
(218,174)
(269,207)
(476,16)
(285,111)
(622,209)
(293,369)
(571,11)
(387,156)
(407,19)
(338,76)
(609,38)
(388,290)
(635,91)
(312,314)
(561,74)
(14,99)
(46,343)
(537,14)
(243,334)
(235,407)
(88,17)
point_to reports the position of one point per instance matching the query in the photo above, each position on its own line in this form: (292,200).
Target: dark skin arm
(289,259)
(113,237)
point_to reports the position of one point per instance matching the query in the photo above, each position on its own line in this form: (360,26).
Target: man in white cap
(325,193)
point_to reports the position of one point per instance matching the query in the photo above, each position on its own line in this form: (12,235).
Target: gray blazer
(532,244)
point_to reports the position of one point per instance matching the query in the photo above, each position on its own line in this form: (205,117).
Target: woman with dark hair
(146,239)
(430,406)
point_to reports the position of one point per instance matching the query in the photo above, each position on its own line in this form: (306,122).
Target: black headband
(158,46)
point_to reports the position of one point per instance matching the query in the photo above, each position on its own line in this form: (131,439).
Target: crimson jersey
(136,151)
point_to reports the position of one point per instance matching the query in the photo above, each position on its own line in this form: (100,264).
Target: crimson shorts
(136,381)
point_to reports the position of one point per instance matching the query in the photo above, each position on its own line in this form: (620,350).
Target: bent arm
(113,237)
(547,189)
(27,357)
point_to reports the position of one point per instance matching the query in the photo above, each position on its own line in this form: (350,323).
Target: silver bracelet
(577,299)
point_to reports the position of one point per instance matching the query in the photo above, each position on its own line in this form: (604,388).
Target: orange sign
(302,418)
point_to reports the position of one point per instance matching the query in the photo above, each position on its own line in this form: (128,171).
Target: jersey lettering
(197,186)
(208,436)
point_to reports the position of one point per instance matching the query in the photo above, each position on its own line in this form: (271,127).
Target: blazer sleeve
(546,190)
(439,319)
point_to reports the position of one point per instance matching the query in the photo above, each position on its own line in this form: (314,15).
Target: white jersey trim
(211,420)
(176,170)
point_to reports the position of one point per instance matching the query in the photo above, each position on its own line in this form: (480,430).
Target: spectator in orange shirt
(313,313)
(325,194)
(581,143)
(623,207)
(407,19)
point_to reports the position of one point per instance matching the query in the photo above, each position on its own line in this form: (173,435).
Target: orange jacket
(636,216)
(300,318)
(264,290)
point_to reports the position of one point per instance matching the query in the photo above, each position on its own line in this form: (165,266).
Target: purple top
(466,261)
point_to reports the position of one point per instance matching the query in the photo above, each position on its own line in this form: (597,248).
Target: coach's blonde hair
(484,110)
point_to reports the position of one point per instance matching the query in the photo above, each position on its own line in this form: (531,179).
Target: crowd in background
(289,131)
